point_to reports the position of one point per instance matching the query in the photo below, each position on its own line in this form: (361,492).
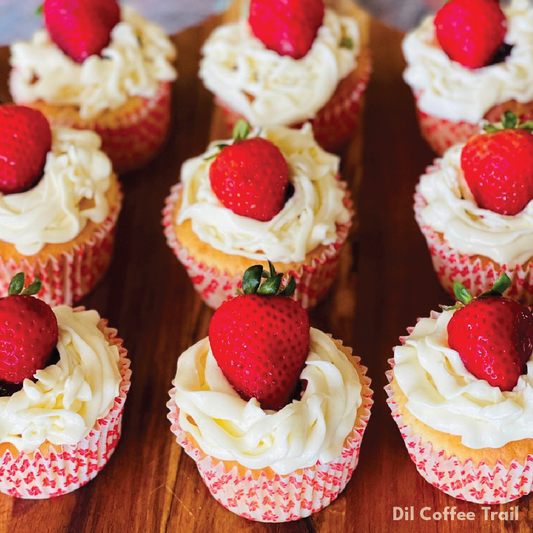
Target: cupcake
(474,207)
(272,411)
(59,204)
(275,194)
(97,66)
(461,392)
(470,62)
(64,377)
(288,63)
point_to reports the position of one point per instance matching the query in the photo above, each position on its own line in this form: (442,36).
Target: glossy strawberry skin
(471,31)
(25,140)
(494,338)
(289,27)
(28,334)
(261,344)
(250,177)
(81,28)
(498,168)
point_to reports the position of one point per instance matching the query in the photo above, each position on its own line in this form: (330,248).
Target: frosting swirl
(269,89)
(303,432)
(138,57)
(64,402)
(442,394)
(309,218)
(70,193)
(449,90)
(452,211)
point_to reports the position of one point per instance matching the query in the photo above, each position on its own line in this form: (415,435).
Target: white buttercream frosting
(442,394)
(299,435)
(309,218)
(71,192)
(64,401)
(138,58)
(452,211)
(451,91)
(270,89)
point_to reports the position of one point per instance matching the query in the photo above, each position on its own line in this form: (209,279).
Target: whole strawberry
(260,339)
(28,332)
(498,166)
(289,27)
(492,334)
(25,140)
(471,31)
(250,176)
(81,28)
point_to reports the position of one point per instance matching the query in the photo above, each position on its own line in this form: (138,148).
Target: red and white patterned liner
(279,498)
(66,279)
(477,483)
(451,265)
(36,476)
(215,287)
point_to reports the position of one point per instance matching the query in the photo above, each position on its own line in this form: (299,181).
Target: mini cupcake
(64,377)
(99,67)
(288,63)
(474,207)
(472,61)
(272,411)
(59,204)
(461,392)
(274,195)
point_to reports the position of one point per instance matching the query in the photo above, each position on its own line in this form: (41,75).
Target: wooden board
(149,485)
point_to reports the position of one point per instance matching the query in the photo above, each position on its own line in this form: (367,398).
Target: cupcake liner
(214,287)
(63,469)
(477,274)
(465,480)
(67,278)
(336,123)
(269,497)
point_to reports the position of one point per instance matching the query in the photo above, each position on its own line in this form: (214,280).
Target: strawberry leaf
(290,288)
(491,128)
(270,287)
(16,285)
(39,10)
(461,293)
(272,269)
(241,130)
(499,287)
(252,279)
(346,42)
(32,288)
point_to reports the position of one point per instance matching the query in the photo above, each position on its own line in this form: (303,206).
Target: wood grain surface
(149,485)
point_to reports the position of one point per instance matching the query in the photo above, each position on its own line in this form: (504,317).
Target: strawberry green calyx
(346,42)
(509,122)
(272,284)
(16,286)
(241,131)
(39,10)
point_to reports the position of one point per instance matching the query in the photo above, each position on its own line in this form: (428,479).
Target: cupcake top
(445,396)
(71,192)
(64,400)
(310,429)
(272,89)
(450,209)
(447,89)
(307,219)
(138,58)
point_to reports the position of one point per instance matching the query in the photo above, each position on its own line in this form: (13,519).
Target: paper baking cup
(476,275)
(67,278)
(336,123)
(477,483)
(258,496)
(312,280)
(66,468)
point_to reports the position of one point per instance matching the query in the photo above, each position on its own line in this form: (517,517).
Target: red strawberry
(251,176)
(25,140)
(288,27)
(28,332)
(471,31)
(493,335)
(81,28)
(498,167)
(260,340)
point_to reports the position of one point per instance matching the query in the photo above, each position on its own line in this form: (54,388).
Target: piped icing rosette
(270,89)
(138,58)
(448,90)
